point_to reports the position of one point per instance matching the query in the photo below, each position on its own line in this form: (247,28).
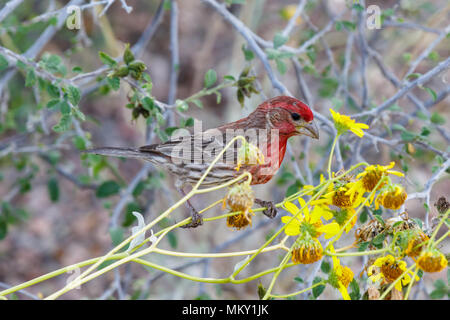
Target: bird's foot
(196,220)
(271,210)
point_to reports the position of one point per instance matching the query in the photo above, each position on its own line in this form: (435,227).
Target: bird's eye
(295,116)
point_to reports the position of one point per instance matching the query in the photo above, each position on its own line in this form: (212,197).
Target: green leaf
(129,218)
(279,40)
(317,291)
(438,119)
(425,131)
(3,63)
(3,229)
(173,241)
(63,124)
(114,83)
(198,103)
(229,77)
(30,79)
(408,135)
(431,92)
(116,235)
(325,267)
(77,69)
(419,222)
(355,294)
(64,107)
(148,103)
(363,216)
(248,54)
(358,7)
(53,189)
(298,279)
(107,188)
(79,143)
(378,240)
(399,127)
(210,78)
(433,56)
(189,122)
(437,294)
(77,112)
(53,103)
(363,246)
(293,188)
(412,76)
(106,59)
(328,87)
(74,95)
(128,56)
(181,105)
(281,66)
(52,90)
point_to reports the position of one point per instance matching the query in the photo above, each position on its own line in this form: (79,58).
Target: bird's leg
(271,210)
(196,218)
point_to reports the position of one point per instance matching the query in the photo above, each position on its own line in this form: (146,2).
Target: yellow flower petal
(293,227)
(329,230)
(316,214)
(305,208)
(292,208)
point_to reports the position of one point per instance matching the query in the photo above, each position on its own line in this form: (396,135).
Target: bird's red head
(290,116)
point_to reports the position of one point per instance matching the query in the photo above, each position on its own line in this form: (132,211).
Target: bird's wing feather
(197,149)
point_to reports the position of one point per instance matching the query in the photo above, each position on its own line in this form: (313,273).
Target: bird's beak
(308,129)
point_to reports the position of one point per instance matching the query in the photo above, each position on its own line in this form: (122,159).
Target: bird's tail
(118,152)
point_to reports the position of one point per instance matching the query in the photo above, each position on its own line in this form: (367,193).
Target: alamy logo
(373,17)
(73,21)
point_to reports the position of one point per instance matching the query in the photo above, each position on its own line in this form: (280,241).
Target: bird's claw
(271,211)
(196,220)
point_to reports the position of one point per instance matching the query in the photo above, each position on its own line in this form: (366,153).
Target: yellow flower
(342,195)
(306,222)
(344,123)
(432,261)
(369,178)
(389,269)
(340,276)
(391,197)
(412,241)
(307,250)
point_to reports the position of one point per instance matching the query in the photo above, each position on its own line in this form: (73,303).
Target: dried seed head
(393,198)
(240,220)
(432,261)
(370,180)
(240,197)
(416,242)
(307,251)
(394,225)
(369,230)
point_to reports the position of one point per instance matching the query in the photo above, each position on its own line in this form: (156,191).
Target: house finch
(187,157)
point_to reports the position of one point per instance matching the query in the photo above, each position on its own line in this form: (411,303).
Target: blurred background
(53,213)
